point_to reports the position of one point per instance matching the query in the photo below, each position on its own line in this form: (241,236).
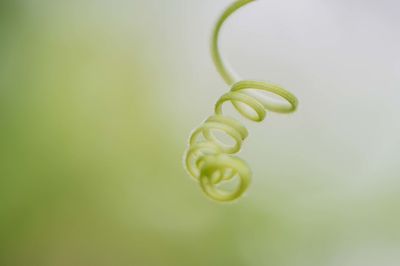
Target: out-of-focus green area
(97,99)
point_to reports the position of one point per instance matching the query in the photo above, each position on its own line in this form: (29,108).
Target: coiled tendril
(209,159)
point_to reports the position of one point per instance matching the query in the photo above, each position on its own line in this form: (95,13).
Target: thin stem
(222,68)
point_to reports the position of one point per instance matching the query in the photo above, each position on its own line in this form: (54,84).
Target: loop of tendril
(209,158)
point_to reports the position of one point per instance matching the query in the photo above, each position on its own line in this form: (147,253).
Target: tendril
(210,158)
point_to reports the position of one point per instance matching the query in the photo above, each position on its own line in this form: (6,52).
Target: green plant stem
(222,68)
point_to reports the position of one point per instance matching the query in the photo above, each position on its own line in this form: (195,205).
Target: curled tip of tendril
(210,158)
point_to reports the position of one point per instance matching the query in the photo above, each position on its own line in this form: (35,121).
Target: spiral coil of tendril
(209,158)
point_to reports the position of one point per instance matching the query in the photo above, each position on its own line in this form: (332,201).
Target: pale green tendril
(209,158)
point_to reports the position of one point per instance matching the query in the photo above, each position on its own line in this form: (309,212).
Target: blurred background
(97,100)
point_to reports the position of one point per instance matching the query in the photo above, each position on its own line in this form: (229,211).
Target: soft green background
(97,99)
